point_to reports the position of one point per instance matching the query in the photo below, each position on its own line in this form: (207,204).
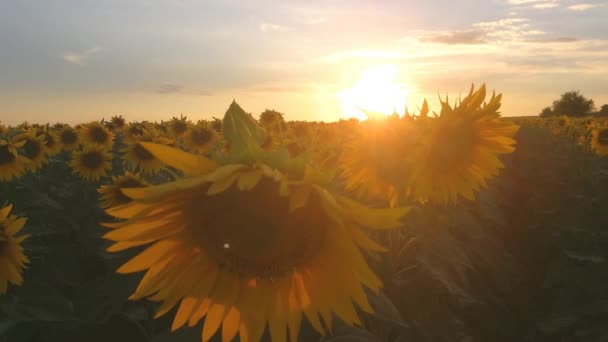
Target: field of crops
(460,225)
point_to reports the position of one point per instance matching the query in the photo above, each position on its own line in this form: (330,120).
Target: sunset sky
(81,60)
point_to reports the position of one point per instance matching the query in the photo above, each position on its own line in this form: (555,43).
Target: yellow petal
(191,164)
(248,180)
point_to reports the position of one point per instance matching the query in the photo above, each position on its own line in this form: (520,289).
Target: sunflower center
(92,160)
(98,134)
(68,137)
(142,153)
(452,146)
(32,148)
(253,232)
(6,156)
(602,137)
(3,241)
(201,136)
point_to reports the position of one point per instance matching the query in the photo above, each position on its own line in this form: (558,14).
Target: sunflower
(118,122)
(95,133)
(91,163)
(68,138)
(460,151)
(375,162)
(200,138)
(51,143)
(599,141)
(178,127)
(32,147)
(112,196)
(12,165)
(139,158)
(244,245)
(133,132)
(12,259)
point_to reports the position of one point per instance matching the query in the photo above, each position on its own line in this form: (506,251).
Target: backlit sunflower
(12,165)
(376,162)
(68,138)
(95,133)
(461,149)
(12,259)
(91,163)
(599,141)
(133,132)
(200,139)
(32,148)
(112,196)
(245,246)
(139,158)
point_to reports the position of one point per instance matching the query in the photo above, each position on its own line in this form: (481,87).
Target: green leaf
(242,133)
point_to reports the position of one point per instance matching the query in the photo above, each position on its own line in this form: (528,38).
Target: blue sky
(81,60)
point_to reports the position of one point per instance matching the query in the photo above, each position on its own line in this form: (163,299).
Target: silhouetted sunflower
(95,133)
(12,258)
(112,196)
(178,127)
(91,163)
(200,138)
(461,149)
(12,165)
(599,141)
(246,247)
(32,148)
(68,138)
(118,122)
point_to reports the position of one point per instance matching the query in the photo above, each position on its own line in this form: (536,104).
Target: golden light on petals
(12,258)
(243,246)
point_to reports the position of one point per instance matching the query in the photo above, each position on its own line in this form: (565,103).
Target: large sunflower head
(112,196)
(138,157)
(247,246)
(32,147)
(12,165)
(200,138)
(68,138)
(12,258)
(377,160)
(95,133)
(91,163)
(460,151)
(599,141)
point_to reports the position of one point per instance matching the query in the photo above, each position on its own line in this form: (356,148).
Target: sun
(375,92)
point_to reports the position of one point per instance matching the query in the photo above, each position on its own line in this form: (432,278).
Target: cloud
(457,37)
(546,5)
(170,88)
(583,7)
(79,58)
(269,27)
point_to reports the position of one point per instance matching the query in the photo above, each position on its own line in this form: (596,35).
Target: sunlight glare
(376,91)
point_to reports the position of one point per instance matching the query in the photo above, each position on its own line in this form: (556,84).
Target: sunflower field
(456,225)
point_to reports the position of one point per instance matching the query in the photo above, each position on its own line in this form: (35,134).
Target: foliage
(525,261)
(571,103)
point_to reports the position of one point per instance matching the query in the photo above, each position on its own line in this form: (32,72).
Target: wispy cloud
(79,58)
(475,36)
(270,27)
(170,88)
(584,7)
(546,5)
